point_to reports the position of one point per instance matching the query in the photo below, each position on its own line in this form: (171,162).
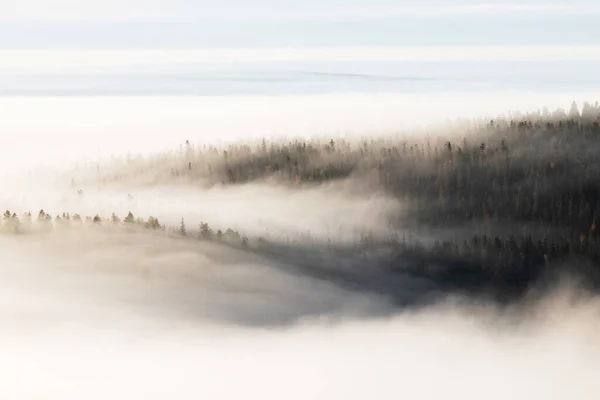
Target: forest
(494,206)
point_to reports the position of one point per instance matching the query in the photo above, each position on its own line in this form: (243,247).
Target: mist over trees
(496,204)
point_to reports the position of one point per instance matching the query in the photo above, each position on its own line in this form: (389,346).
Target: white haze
(99,314)
(61,130)
(131,316)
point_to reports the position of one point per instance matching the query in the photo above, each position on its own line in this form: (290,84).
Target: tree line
(512,195)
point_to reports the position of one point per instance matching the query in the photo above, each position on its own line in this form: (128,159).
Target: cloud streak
(12,61)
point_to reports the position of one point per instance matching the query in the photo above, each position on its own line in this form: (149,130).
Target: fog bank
(99,314)
(112,310)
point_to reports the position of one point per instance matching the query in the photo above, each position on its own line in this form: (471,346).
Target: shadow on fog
(318,283)
(400,283)
(175,280)
(186,280)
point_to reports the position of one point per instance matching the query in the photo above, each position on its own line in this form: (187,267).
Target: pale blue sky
(295,46)
(269,23)
(178,10)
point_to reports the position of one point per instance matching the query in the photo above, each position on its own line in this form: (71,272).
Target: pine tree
(129,219)
(574,111)
(205,231)
(182,229)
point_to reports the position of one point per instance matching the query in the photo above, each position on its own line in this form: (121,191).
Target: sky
(111,24)
(288,47)
(196,10)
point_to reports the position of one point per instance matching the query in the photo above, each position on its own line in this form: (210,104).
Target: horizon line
(77,58)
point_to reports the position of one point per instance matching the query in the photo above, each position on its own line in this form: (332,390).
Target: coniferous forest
(493,206)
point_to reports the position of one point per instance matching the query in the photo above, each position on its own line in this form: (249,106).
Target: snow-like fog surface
(94,315)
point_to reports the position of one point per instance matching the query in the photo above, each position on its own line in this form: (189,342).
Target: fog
(107,311)
(99,315)
(63,130)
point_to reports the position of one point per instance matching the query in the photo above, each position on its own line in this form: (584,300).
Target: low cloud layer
(127,315)
(116,311)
